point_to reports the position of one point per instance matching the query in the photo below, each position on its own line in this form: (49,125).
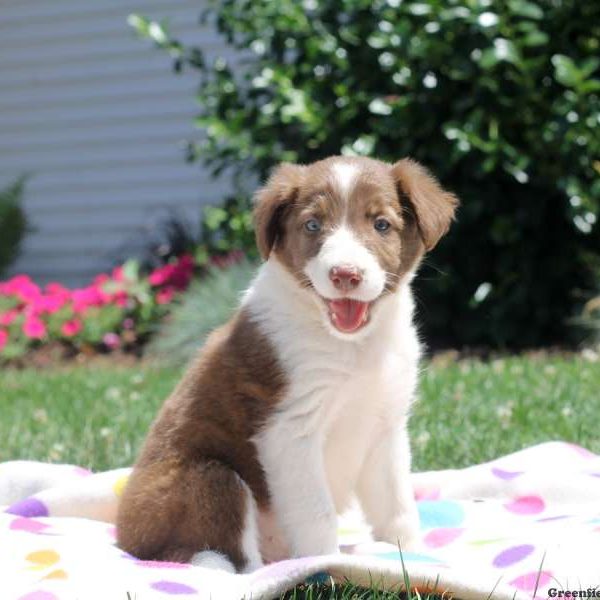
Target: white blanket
(524,524)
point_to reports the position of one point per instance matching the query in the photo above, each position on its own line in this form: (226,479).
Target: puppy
(301,401)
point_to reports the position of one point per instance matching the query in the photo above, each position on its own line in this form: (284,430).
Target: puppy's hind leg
(189,511)
(249,542)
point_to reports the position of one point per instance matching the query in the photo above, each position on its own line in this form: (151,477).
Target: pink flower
(34,327)
(86,297)
(8,317)
(71,328)
(3,339)
(161,275)
(184,271)
(22,287)
(56,289)
(111,340)
(165,295)
(48,303)
(177,274)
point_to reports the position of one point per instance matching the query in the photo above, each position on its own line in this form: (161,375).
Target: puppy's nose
(345,278)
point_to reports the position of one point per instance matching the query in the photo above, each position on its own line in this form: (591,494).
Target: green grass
(348,591)
(471,411)
(468,412)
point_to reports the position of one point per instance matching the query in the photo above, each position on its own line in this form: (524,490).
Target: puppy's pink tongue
(348,315)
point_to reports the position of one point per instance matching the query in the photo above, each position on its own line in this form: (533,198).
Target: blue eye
(381,224)
(312,225)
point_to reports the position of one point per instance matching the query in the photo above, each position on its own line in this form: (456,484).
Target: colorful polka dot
(407,557)
(442,537)
(172,587)
(427,494)
(440,513)
(349,530)
(513,555)
(526,505)
(505,475)
(43,558)
(486,542)
(28,525)
(119,484)
(30,507)
(528,581)
(82,472)
(38,595)
(57,574)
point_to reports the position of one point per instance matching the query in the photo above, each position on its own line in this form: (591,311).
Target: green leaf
(535,38)
(522,8)
(565,70)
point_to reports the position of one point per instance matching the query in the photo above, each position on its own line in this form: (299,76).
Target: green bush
(501,100)
(208,303)
(12,223)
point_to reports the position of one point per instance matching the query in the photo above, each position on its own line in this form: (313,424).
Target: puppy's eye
(381,224)
(312,225)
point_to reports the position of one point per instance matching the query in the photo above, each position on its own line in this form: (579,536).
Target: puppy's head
(350,229)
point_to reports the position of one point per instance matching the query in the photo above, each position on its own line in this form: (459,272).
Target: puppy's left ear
(270,205)
(432,206)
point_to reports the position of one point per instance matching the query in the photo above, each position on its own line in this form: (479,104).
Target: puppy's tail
(209,559)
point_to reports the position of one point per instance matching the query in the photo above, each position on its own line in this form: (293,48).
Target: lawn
(469,411)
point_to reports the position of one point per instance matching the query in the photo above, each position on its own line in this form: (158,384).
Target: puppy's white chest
(370,401)
(342,400)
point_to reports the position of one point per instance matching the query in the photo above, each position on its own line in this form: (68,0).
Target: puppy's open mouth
(348,315)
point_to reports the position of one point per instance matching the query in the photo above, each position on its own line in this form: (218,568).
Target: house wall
(98,119)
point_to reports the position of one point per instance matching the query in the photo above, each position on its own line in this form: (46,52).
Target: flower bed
(116,311)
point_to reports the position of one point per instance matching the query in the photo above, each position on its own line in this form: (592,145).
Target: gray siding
(99,121)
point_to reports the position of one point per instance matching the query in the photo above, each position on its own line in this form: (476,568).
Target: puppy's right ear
(271,203)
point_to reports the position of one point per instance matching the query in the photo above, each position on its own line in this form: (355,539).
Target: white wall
(99,120)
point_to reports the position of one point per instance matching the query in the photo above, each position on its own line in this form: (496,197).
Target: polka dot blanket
(525,525)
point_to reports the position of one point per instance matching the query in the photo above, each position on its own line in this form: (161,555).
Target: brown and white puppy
(301,401)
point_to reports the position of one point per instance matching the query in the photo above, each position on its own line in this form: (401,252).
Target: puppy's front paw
(401,531)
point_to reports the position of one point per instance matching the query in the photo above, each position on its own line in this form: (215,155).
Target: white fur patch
(212,560)
(250,535)
(341,426)
(341,248)
(344,175)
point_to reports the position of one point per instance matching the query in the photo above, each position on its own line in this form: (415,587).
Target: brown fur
(419,210)
(185,495)
(432,206)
